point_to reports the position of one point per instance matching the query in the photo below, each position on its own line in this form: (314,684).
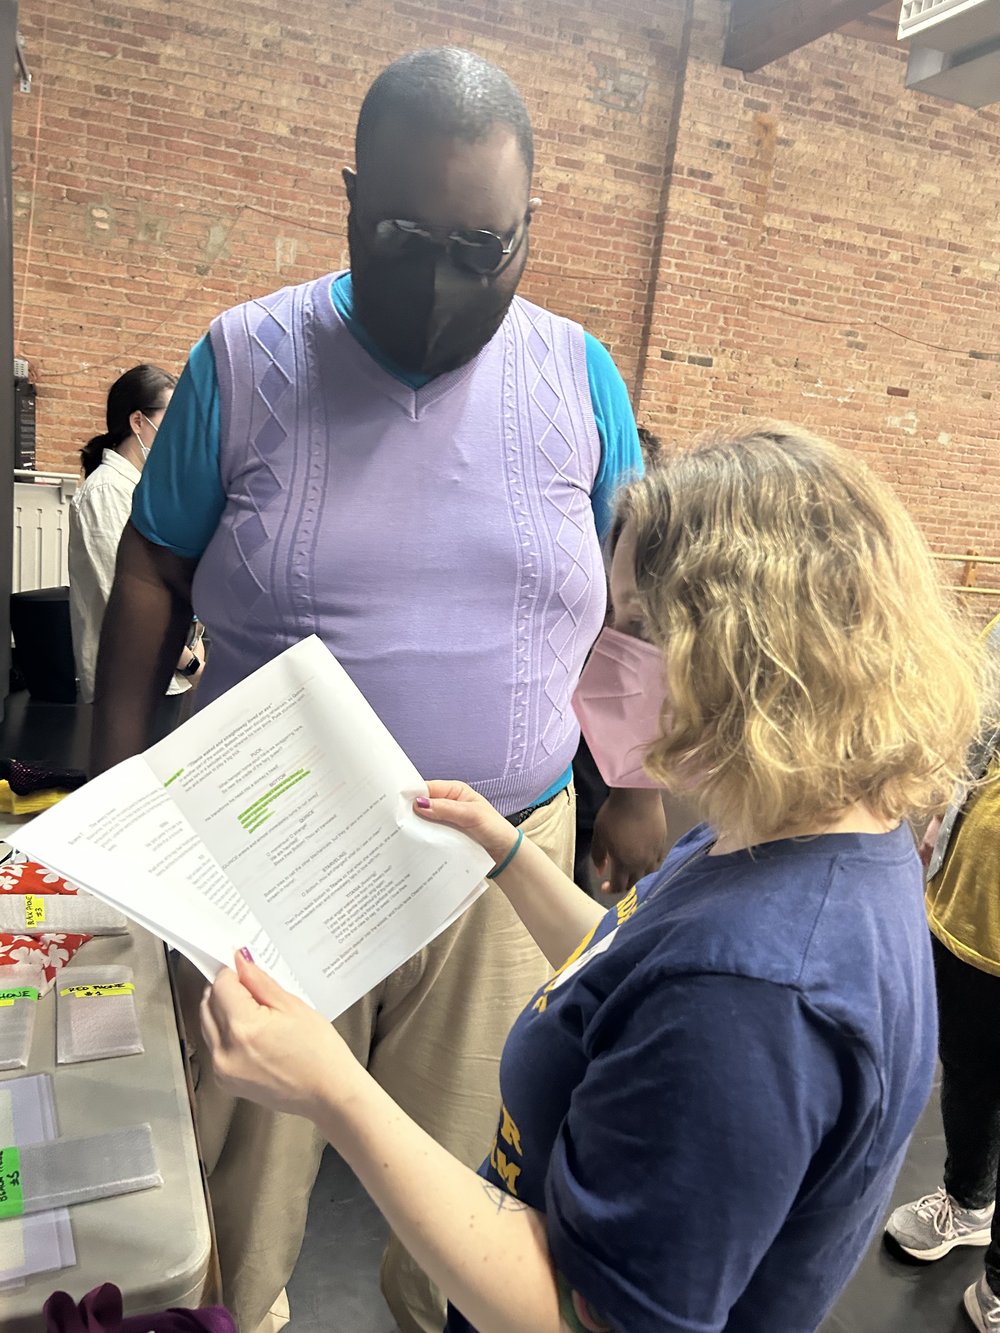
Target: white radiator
(41,532)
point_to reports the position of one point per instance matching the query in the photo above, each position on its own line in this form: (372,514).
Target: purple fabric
(100,1311)
(440,541)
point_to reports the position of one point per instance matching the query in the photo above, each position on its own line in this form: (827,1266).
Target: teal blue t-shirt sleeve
(621,455)
(179,499)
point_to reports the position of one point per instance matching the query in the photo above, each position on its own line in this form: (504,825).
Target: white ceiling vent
(949,25)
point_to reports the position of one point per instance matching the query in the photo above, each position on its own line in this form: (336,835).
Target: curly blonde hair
(812,657)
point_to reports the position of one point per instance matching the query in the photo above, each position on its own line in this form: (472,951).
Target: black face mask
(427,314)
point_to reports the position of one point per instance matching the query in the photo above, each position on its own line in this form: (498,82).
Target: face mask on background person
(619,703)
(146,447)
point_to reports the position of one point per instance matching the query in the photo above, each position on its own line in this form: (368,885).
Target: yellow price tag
(34,911)
(95,992)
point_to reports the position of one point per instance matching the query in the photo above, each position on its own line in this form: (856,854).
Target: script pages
(280,818)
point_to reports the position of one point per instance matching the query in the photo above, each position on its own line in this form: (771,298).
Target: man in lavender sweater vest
(417,465)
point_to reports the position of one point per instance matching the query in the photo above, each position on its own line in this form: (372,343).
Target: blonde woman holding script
(706,1107)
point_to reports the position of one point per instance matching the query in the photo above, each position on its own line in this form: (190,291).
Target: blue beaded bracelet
(498,870)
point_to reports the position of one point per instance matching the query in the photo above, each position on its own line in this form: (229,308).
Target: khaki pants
(431,1034)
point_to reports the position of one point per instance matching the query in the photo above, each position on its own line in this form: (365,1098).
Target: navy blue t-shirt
(710,1102)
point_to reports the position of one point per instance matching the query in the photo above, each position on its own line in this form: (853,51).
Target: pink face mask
(619,702)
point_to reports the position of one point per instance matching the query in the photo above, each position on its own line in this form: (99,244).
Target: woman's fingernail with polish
(423,803)
(245,953)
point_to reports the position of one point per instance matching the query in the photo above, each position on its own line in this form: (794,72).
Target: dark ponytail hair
(141,389)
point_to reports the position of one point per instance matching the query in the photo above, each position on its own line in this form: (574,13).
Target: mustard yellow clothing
(32,804)
(963,898)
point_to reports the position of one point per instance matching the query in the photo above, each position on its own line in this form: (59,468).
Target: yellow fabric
(33,804)
(963,898)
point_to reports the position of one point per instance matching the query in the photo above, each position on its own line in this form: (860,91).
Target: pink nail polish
(245,953)
(423,803)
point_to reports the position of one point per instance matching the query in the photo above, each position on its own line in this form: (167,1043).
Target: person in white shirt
(112,465)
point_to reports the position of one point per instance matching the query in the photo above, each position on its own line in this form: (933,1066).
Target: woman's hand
(458,806)
(271,1048)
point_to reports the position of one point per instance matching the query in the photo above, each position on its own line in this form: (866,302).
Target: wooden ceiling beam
(764,30)
(883,32)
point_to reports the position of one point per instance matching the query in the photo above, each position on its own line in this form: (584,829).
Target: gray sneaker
(982,1306)
(930,1227)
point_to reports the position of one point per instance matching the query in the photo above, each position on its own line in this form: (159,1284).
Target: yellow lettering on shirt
(541,1003)
(507,1171)
(510,1133)
(504,1163)
(627,906)
(578,951)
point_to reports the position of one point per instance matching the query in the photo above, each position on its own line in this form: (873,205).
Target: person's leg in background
(969,1046)
(962,1212)
(969,1019)
(440,1032)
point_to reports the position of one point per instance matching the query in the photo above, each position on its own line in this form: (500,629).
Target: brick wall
(189,156)
(830,256)
(829,248)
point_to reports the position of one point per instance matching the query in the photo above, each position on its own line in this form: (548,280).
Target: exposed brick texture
(825,246)
(830,256)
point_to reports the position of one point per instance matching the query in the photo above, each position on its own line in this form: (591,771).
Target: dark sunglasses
(482,252)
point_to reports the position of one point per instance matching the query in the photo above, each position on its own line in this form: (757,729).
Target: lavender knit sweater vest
(440,541)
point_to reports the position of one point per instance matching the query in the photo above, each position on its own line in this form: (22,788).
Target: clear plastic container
(40,1242)
(96,1015)
(20,986)
(67,1171)
(71,913)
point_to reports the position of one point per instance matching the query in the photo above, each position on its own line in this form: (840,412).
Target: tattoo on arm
(504,1202)
(577,1313)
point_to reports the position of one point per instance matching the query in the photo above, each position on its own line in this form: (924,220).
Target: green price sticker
(34,911)
(22,993)
(11,1189)
(95,992)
